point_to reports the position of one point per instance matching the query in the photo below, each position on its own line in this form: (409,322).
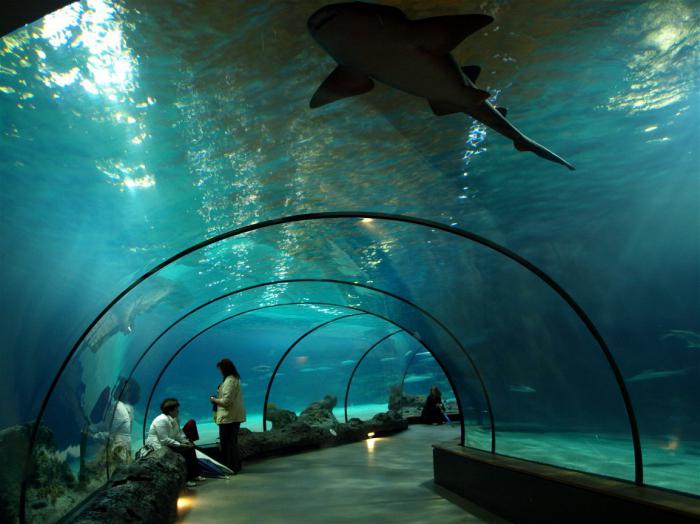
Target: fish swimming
(650,374)
(520,388)
(691,338)
(417,378)
(376,42)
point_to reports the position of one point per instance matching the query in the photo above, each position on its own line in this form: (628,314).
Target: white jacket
(121,426)
(165,431)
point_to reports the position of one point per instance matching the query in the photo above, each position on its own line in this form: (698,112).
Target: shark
(376,42)
(691,338)
(651,374)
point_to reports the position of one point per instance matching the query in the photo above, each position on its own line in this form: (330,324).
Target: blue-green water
(131,131)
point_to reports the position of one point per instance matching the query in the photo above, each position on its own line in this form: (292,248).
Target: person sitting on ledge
(433,410)
(165,431)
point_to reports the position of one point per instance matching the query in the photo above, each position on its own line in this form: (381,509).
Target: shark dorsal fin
(341,83)
(385,10)
(441,34)
(471,72)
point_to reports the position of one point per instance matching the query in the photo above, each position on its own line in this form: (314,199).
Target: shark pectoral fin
(444,108)
(341,83)
(441,34)
(471,72)
(476,95)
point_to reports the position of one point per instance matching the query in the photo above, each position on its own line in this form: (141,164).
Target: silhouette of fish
(651,374)
(375,42)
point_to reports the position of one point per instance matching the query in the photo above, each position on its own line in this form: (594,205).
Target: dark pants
(228,438)
(190,460)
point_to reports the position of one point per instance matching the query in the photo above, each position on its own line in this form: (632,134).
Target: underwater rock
(381,424)
(320,415)
(143,491)
(300,436)
(398,401)
(297,436)
(279,417)
(49,477)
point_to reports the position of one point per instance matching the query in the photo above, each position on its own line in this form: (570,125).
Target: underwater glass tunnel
(169,198)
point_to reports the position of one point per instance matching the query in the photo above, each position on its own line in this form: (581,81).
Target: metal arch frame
(241,313)
(199,333)
(359,361)
(362,312)
(289,350)
(191,339)
(333,281)
(639,474)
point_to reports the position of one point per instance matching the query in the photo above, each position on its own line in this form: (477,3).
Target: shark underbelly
(408,70)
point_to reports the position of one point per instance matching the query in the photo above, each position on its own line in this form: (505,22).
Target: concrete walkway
(381,480)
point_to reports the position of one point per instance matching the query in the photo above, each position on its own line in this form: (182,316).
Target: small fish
(520,388)
(347,362)
(417,378)
(691,338)
(387,359)
(424,354)
(262,368)
(650,374)
(320,368)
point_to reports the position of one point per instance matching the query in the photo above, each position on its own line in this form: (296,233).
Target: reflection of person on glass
(229,413)
(433,410)
(120,434)
(165,431)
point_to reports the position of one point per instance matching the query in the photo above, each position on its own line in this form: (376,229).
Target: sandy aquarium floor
(381,480)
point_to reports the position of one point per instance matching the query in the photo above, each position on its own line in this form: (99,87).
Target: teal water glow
(133,130)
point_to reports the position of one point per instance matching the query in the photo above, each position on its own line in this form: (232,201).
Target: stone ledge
(529,492)
(144,491)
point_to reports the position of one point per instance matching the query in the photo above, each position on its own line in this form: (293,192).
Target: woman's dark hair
(227,368)
(129,389)
(168,405)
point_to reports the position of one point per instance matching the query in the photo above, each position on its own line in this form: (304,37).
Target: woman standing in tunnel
(229,413)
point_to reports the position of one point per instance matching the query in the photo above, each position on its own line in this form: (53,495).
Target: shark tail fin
(525,144)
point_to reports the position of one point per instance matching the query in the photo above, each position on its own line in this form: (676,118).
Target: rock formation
(144,491)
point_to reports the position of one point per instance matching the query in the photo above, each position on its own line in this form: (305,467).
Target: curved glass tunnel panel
(314,371)
(254,341)
(384,372)
(536,359)
(422,372)
(376,383)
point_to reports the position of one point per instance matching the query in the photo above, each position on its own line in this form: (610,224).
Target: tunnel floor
(390,480)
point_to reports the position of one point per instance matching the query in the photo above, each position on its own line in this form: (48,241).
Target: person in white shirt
(120,434)
(165,431)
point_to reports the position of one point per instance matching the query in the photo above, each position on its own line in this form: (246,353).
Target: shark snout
(321,18)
